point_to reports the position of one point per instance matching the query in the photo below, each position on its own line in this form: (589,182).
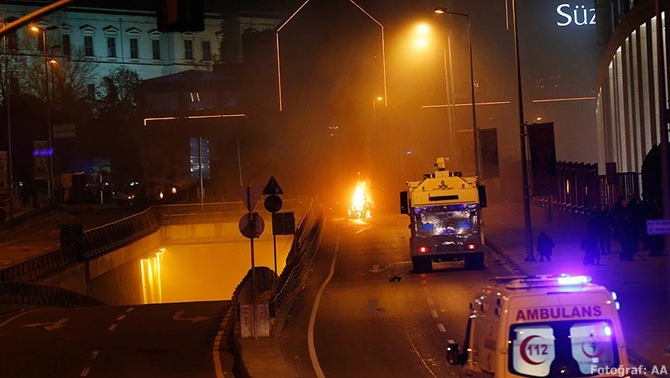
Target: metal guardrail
(104,239)
(293,272)
(100,240)
(306,234)
(41,295)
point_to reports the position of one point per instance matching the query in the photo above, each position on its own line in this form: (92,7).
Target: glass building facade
(628,102)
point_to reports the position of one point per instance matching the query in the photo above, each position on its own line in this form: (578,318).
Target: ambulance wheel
(475,262)
(421,265)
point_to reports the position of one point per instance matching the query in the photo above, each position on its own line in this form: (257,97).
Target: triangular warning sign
(272,187)
(249,195)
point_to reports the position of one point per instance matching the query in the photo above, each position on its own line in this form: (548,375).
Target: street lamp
(374,108)
(442,10)
(38,29)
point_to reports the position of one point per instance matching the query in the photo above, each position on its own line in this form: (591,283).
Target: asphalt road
(367,325)
(166,340)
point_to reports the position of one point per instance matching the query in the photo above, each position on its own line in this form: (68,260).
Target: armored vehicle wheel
(422,264)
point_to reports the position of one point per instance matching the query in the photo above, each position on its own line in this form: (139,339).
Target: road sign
(246,222)
(65,131)
(249,195)
(272,187)
(658,226)
(283,224)
(273,203)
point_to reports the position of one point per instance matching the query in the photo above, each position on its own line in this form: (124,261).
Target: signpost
(251,226)
(255,319)
(273,204)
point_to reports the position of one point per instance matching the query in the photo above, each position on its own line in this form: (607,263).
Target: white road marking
(94,355)
(441,327)
(84,372)
(434,314)
(121,317)
(423,282)
(312,317)
(418,354)
(216,355)
(130,309)
(430,301)
(15,317)
(111,328)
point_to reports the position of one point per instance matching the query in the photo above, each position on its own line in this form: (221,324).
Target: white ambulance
(542,326)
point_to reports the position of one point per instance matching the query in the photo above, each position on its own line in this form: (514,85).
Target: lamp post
(524,159)
(421,42)
(374,109)
(475,128)
(663,116)
(48,98)
(10,163)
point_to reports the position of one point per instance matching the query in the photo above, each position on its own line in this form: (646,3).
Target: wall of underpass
(187,262)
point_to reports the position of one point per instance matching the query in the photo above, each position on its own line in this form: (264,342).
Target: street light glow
(423,29)
(421,42)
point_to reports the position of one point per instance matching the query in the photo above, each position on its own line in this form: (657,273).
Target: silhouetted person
(625,229)
(591,251)
(545,245)
(600,224)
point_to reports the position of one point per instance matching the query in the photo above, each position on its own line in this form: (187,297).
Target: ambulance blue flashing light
(573,280)
(607,331)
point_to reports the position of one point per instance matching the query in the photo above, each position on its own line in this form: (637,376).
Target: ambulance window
(562,348)
(533,349)
(593,346)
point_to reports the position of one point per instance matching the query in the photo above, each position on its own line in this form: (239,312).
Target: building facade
(628,99)
(125,34)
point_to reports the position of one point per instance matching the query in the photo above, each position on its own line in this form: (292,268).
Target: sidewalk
(40,234)
(640,284)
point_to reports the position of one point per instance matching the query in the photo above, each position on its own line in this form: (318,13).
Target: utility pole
(663,128)
(524,161)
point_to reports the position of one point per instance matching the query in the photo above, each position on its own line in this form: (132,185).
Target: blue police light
(43,152)
(573,280)
(614,296)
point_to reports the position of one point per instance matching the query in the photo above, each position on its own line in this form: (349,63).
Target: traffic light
(181,15)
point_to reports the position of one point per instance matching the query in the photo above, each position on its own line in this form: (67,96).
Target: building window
(134,48)
(88,45)
(156,49)
(67,47)
(206,50)
(13,41)
(90,89)
(111,47)
(40,40)
(188,49)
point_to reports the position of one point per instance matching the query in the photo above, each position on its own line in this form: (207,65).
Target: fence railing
(581,190)
(302,250)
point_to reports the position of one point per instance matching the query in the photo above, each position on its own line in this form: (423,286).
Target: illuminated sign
(578,15)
